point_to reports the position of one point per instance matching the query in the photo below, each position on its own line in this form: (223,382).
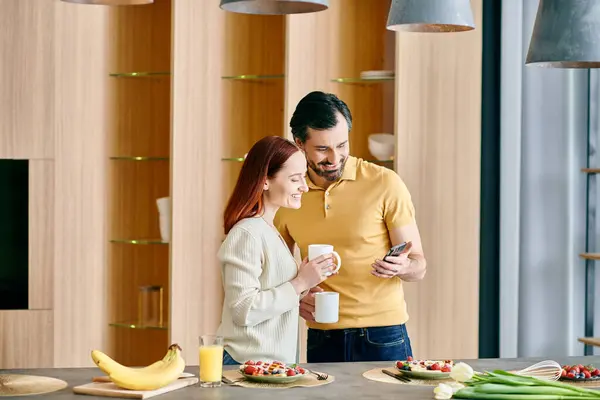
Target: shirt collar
(349,173)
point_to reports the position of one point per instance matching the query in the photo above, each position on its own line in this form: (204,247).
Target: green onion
(471,393)
(503,385)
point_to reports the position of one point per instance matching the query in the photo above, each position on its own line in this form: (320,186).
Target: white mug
(316,250)
(327,305)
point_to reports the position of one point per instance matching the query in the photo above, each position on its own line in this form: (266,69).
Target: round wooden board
(28,385)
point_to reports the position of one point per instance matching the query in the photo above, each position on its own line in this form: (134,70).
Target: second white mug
(327,306)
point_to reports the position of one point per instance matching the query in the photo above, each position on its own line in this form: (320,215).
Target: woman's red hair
(263,161)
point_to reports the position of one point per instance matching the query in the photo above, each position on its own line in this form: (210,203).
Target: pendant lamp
(430,16)
(566,34)
(111,2)
(274,7)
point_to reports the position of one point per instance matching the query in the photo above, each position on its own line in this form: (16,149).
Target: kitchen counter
(349,382)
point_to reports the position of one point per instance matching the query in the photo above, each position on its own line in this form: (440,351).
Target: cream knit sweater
(260,310)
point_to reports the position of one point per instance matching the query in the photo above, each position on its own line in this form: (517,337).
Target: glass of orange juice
(211,360)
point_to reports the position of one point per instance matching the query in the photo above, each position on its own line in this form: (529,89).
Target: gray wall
(544,122)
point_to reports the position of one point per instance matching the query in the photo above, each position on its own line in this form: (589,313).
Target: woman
(262,280)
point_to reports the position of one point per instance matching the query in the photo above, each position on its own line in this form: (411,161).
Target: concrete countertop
(349,382)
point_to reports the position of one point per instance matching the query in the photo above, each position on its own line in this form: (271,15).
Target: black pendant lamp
(431,16)
(274,7)
(566,34)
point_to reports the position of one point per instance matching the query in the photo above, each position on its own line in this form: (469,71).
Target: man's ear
(300,144)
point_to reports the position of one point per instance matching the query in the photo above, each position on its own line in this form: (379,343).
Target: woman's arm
(241,257)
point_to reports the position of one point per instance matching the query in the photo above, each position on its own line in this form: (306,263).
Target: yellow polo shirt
(354,215)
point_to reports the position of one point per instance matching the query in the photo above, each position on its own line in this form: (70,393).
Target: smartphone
(396,250)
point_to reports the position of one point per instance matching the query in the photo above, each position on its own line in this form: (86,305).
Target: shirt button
(326,193)
(327,207)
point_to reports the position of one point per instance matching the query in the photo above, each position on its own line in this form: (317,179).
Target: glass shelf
(134,325)
(381,161)
(139,74)
(134,158)
(252,77)
(364,80)
(138,241)
(236,159)
(241,159)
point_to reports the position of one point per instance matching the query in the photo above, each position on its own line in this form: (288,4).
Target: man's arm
(399,217)
(417,267)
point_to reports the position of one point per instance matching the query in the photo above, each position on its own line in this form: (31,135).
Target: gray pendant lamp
(566,34)
(274,7)
(111,2)
(430,16)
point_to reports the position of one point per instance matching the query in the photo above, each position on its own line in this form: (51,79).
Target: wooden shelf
(591,170)
(590,256)
(593,341)
(254,45)
(139,128)
(362,43)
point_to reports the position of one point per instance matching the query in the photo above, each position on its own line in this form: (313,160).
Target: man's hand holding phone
(394,263)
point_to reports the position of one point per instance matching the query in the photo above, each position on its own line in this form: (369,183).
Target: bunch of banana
(154,376)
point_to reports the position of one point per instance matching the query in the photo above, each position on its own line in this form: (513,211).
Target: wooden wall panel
(438,107)
(41,234)
(80,322)
(27,339)
(27,76)
(196,168)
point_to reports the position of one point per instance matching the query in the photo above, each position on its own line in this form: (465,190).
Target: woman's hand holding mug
(313,272)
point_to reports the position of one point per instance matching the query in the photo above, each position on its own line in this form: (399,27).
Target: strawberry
(587,374)
(259,363)
(576,369)
(596,372)
(445,368)
(249,362)
(249,370)
(563,373)
(290,372)
(435,367)
(409,358)
(571,375)
(301,370)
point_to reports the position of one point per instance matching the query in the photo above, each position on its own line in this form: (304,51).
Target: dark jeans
(228,360)
(385,343)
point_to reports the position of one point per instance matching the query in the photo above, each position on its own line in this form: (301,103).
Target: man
(362,209)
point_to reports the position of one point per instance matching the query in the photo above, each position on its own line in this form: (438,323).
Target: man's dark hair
(317,110)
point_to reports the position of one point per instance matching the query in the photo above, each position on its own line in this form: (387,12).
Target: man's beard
(328,175)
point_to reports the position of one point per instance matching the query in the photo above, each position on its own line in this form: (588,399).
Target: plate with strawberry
(272,371)
(425,369)
(579,373)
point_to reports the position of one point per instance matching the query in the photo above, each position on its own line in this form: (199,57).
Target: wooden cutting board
(106,389)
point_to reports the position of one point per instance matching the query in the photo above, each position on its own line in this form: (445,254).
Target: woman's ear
(266,185)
